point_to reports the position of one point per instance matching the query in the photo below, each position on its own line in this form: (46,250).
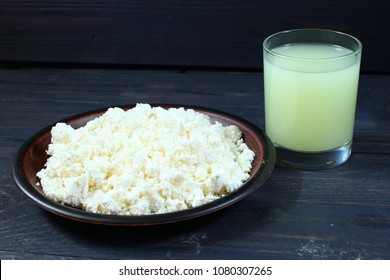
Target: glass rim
(352,38)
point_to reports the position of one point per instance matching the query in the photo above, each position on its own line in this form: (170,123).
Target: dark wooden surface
(342,213)
(223,33)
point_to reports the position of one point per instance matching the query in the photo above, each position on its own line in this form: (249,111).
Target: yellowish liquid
(310,99)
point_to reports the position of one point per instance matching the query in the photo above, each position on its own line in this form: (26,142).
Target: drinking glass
(310,89)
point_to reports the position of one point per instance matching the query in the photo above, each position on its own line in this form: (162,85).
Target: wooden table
(342,213)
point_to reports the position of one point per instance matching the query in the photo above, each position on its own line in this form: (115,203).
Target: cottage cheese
(144,160)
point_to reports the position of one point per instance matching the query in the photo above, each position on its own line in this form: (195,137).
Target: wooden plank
(296,215)
(65,92)
(179,33)
(342,213)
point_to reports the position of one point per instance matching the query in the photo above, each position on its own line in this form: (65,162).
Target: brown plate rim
(256,180)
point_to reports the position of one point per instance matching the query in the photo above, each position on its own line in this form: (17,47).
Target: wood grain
(179,33)
(342,213)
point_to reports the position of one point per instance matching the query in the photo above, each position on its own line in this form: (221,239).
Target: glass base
(313,160)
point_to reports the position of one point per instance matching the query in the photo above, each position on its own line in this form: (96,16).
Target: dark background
(186,34)
(61,58)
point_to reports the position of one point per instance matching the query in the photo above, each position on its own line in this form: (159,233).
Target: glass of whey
(310,89)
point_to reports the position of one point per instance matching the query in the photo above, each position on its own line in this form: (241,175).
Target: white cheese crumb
(143,161)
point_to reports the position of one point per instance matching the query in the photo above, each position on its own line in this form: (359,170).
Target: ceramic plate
(32,156)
